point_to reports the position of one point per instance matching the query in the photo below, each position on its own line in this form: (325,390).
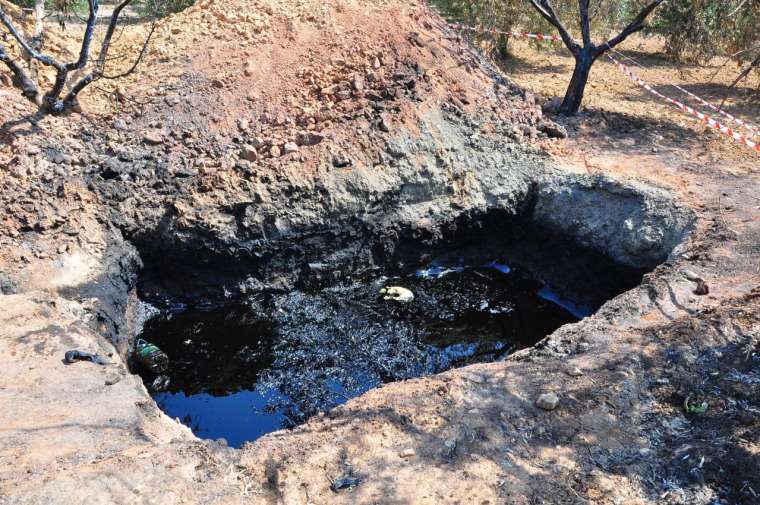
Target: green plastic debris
(151,357)
(694,408)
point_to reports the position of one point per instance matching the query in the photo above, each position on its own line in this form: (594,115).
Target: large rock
(552,129)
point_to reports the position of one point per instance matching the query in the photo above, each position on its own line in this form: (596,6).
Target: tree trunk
(35,40)
(574,93)
(39,15)
(588,53)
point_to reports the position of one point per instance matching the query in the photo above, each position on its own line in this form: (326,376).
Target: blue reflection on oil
(236,417)
(578,310)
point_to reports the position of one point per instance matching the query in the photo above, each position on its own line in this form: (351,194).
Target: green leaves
(697,30)
(694,30)
(154,9)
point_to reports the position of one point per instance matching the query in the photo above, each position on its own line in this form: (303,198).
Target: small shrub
(152,9)
(698,30)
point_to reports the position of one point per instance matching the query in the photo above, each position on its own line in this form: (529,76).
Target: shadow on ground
(634,134)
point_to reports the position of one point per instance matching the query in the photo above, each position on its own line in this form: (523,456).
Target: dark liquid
(238,372)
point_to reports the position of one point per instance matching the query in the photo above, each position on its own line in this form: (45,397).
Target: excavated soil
(266,146)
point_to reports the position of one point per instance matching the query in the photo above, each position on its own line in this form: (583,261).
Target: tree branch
(585,24)
(21,79)
(729,58)
(742,75)
(47,60)
(634,26)
(87,40)
(51,99)
(139,57)
(109,33)
(544,7)
(99,69)
(51,102)
(738,8)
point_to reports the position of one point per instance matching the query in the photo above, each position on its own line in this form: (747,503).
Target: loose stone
(691,275)
(397,293)
(153,138)
(702,288)
(249,153)
(384,124)
(308,139)
(547,401)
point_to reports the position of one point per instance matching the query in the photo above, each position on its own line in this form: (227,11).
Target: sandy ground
(617,105)
(621,433)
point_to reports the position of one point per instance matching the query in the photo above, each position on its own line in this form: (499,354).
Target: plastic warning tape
(754,130)
(742,139)
(523,35)
(689,110)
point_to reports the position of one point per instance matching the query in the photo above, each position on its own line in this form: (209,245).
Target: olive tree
(586,52)
(618,19)
(68,83)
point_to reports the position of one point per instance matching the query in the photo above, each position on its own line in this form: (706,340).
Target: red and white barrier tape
(523,35)
(703,117)
(754,130)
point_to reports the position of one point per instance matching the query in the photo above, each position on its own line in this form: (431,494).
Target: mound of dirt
(230,108)
(296,73)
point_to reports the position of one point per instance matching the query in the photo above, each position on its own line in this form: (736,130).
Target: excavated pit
(316,333)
